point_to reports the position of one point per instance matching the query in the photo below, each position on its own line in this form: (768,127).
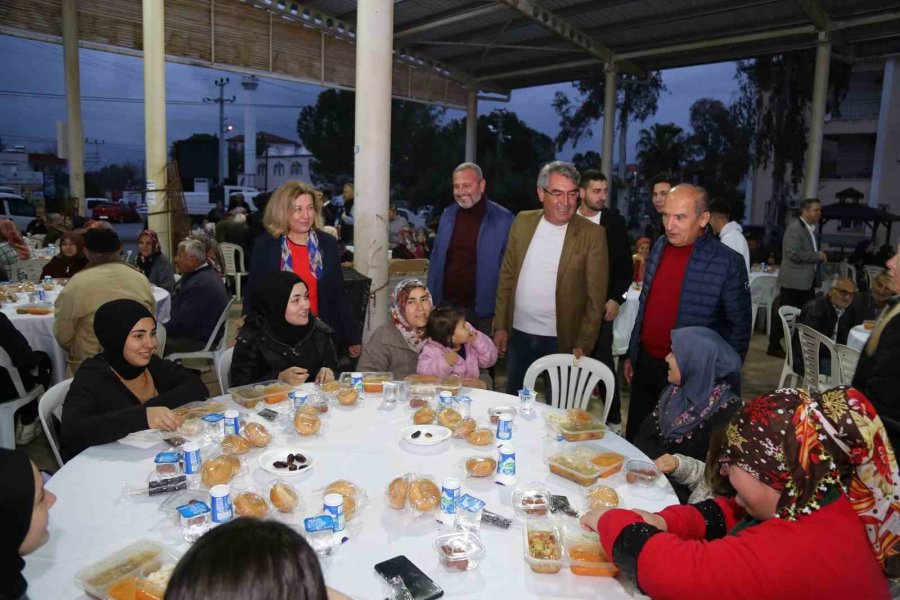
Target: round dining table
(93,518)
(858,336)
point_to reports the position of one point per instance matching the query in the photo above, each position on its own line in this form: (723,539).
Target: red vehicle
(116,212)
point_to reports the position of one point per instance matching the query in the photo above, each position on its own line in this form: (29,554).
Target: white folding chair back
(810,342)
(233,264)
(34,243)
(572,380)
(848,359)
(161,338)
(50,405)
(215,343)
(788,315)
(872,271)
(762,293)
(8,409)
(128,256)
(27,270)
(223,368)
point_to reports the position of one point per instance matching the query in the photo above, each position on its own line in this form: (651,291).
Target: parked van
(16,208)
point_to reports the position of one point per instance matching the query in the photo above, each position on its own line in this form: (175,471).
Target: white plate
(270,456)
(438,434)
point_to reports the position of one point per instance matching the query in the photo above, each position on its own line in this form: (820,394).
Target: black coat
(878,377)
(99,409)
(260,357)
(199,300)
(24,359)
(620,265)
(820,314)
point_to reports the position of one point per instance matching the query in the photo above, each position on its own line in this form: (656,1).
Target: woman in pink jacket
(454,347)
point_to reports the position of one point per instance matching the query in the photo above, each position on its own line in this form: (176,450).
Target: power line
(114,99)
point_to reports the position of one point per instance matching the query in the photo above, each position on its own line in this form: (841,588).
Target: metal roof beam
(719,42)
(597,62)
(448,19)
(819,17)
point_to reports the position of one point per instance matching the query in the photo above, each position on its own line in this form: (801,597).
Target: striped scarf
(312,248)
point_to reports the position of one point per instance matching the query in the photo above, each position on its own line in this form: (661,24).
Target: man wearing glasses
(832,315)
(553,282)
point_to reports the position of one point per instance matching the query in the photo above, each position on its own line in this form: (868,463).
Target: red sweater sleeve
(690,522)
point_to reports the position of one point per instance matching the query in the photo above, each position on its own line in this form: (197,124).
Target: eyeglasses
(560,194)
(844,293)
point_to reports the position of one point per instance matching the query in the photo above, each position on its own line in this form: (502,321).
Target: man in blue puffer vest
(692,279)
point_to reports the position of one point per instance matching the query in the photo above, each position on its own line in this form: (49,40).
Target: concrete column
(372,173)
(158,216)
(609,121)
(74,128)
(250,84)
(817,118)
(882,140)
(472,126)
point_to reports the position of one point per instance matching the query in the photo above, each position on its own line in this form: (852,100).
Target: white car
(17,209)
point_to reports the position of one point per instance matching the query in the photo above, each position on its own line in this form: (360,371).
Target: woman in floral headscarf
(815,512)
(395,346)
(12,246)
(155,265)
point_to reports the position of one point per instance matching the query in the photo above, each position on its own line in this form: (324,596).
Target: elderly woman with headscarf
(395,346)
(70,260)
(817,499)
(25,506)
(155,265)
(281,338)
(127,387)
(12,246)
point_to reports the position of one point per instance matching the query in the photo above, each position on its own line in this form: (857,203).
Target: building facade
(278,160)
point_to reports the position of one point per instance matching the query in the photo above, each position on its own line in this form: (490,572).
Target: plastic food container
(608,462)
(579,431)
(543,546)
(459,551)
(450,383)
(373,381)
(531,501)
(422,390)
(135,571)
(584,554)
(272,392)
(640,472)
(574,468)
(494,413)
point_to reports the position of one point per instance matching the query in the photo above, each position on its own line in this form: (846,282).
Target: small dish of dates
(532,501)
(459,551)
(284,461)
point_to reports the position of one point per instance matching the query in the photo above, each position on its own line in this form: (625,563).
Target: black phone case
(420,585)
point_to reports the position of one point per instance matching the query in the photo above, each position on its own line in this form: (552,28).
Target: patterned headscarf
(10,233)
(414,336)
(312,249)
(145,263)
(803,445)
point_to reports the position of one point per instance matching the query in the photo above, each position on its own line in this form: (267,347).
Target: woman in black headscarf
(25,505)
(281,339)
(127,387)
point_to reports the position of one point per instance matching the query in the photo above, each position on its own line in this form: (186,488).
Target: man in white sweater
(730,232)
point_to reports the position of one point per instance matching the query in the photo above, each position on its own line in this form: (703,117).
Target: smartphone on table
(418,583)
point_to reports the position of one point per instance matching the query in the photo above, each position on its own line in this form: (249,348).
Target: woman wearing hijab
(12,246)
(395,346)
(816,501)
(155,265)
(293,220)
(70,259)
(25,506)
(704,378)
(127,387)
(281,338)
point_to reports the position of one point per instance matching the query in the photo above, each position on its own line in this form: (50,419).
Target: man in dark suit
(593,191)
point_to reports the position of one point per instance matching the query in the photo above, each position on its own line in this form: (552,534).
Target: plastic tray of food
(580,425)
(450,383)
(272,392)
(532,500)
(459,550)
(584,555)
(35,308)
(641,472)
(138,571)
(607,462)
(543,546)
(574,467)
(422,389)
(373,381)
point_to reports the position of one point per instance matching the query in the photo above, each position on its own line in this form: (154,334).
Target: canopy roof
(857,212)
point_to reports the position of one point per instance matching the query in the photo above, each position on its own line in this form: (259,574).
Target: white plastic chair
(50,405)
(161,338)
(233,264)
(848,358)
(847,270)
(8,409)
(34,243)
(213,347)
(810,342)
(572,380)
(872,271)
(27,270)
(762,293)
(223,369)
(788,315)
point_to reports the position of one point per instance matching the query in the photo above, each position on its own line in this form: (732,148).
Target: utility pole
(223,149)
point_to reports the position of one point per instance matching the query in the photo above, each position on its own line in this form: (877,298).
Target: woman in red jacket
(815,514)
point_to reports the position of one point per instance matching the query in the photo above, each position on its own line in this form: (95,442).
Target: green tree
(662,148)
(588,160)
(111,179)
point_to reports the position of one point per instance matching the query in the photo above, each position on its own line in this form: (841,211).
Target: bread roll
(480,437)
(397,492)
(306,423)
(235,444)
(349,491)
(424,495)
(283,497)
(449,418)
(257,435)
(602,497)
(216,471)
(232,461)
(481,466)
(464,428)
(248,504)
(331,387)
(423,416)
(348,396)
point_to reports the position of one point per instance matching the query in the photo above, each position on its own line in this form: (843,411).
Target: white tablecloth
(90,519)
(163,304)
(754,275)
(858,337)
(624,322)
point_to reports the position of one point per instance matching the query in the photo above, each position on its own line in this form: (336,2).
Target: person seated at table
(698,476)
(703,392)
(639,258)
(155,265)
(281,338)
(38,225)
(293,218)
(34,368)
(126,387)
(250,559)
(878,371)
(454,347)
(25,506)
(408,246)
(70,260)
(833,315)
(872,303)
(395,345)
(198,302)
(816,487)
(12,245)
(56,226)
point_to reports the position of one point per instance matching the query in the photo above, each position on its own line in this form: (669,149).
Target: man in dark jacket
(199,300)
(592,191)
(691,279)
(832,315)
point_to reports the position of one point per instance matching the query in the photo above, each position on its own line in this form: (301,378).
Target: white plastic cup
(504,427)
(334,506)
(449,494)
(192,459)
(232,423)
(221,503)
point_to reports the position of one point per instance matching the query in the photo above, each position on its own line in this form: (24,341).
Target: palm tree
(662,149)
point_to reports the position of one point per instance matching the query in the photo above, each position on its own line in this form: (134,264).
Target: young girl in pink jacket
(454,347)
